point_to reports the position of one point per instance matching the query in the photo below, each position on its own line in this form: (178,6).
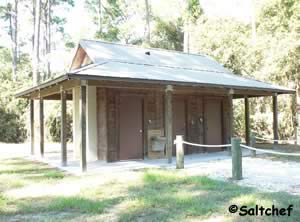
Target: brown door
(213,123)
(131,134)
(179,123)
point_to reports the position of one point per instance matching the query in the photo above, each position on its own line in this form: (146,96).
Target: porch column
(83,126)
(275,118)
(31,127)
(169,122)
(230,116)
(41,103)
(247,121)
(63,136)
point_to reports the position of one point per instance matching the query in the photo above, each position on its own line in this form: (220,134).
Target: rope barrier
(204,145)
(266,139)
(270,151)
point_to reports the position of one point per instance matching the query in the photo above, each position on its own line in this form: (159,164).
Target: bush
(12,128)
(54,126)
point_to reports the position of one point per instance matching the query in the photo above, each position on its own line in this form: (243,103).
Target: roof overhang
(69,80)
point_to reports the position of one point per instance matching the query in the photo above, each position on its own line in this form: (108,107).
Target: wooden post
(179,152)
(83,127)
(237,172)
(32,126)
(63,136)
(275,118)
(247,121)
(169,122)
(41,126)
(252,144)
(230,110)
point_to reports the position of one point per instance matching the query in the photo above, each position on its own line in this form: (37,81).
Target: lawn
(31,191)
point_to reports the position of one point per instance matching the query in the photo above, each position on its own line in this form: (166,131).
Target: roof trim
(73,76)
(179,83)
(24,92)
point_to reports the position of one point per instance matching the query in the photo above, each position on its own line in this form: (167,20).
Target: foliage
(274,57)
(53,123)
(12,111)
(168,35)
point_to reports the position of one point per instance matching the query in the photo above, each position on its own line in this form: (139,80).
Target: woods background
(37,43)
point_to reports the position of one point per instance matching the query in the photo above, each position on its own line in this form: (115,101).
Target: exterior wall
(153,121)
(91,124)
(102,123)
(112,125)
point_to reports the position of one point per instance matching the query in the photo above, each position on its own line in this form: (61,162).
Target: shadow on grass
(48,208)
(29,170)
(166,197)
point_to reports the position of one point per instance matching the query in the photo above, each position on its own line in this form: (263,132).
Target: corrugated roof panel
(99,51)
(149,72)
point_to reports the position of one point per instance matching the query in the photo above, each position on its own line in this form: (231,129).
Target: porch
(193,162)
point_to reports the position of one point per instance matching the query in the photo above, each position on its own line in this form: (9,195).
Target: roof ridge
(165,66)
(150,48)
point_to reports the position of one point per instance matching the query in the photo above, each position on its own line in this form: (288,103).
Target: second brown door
(213,119)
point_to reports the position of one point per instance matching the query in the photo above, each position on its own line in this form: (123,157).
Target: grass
(148,195)
(285,148)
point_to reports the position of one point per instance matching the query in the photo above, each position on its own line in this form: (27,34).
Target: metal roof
(133,71)
(99,51)
(134,63)
(112,61)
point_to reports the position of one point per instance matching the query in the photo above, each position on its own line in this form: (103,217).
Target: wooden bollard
(252,144)
(179,152)
(237,172)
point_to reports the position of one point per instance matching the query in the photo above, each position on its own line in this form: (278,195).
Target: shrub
(12,128)
(54,126)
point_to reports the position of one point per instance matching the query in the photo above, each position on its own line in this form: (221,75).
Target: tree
(51,21)
(9,12)
(36,42)
(192,12)
(167,35)
(147,25)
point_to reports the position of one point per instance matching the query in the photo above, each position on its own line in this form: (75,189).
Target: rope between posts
(270,151)
(266,139)
(204,145)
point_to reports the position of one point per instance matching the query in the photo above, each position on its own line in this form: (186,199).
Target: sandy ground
(264,174)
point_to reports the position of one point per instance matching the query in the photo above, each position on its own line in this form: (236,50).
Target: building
(130,102)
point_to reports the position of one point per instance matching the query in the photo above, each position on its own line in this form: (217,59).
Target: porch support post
(230,116)
(83,126)
(168,122)
(41,103)
(32,127)
(63,136)
(247,121)
(275,118)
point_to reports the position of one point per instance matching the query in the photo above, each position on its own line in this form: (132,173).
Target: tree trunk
(186,37)
(100,16)
(253,22)
(48,38)
(147,28)
(13,32)
(36,43)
